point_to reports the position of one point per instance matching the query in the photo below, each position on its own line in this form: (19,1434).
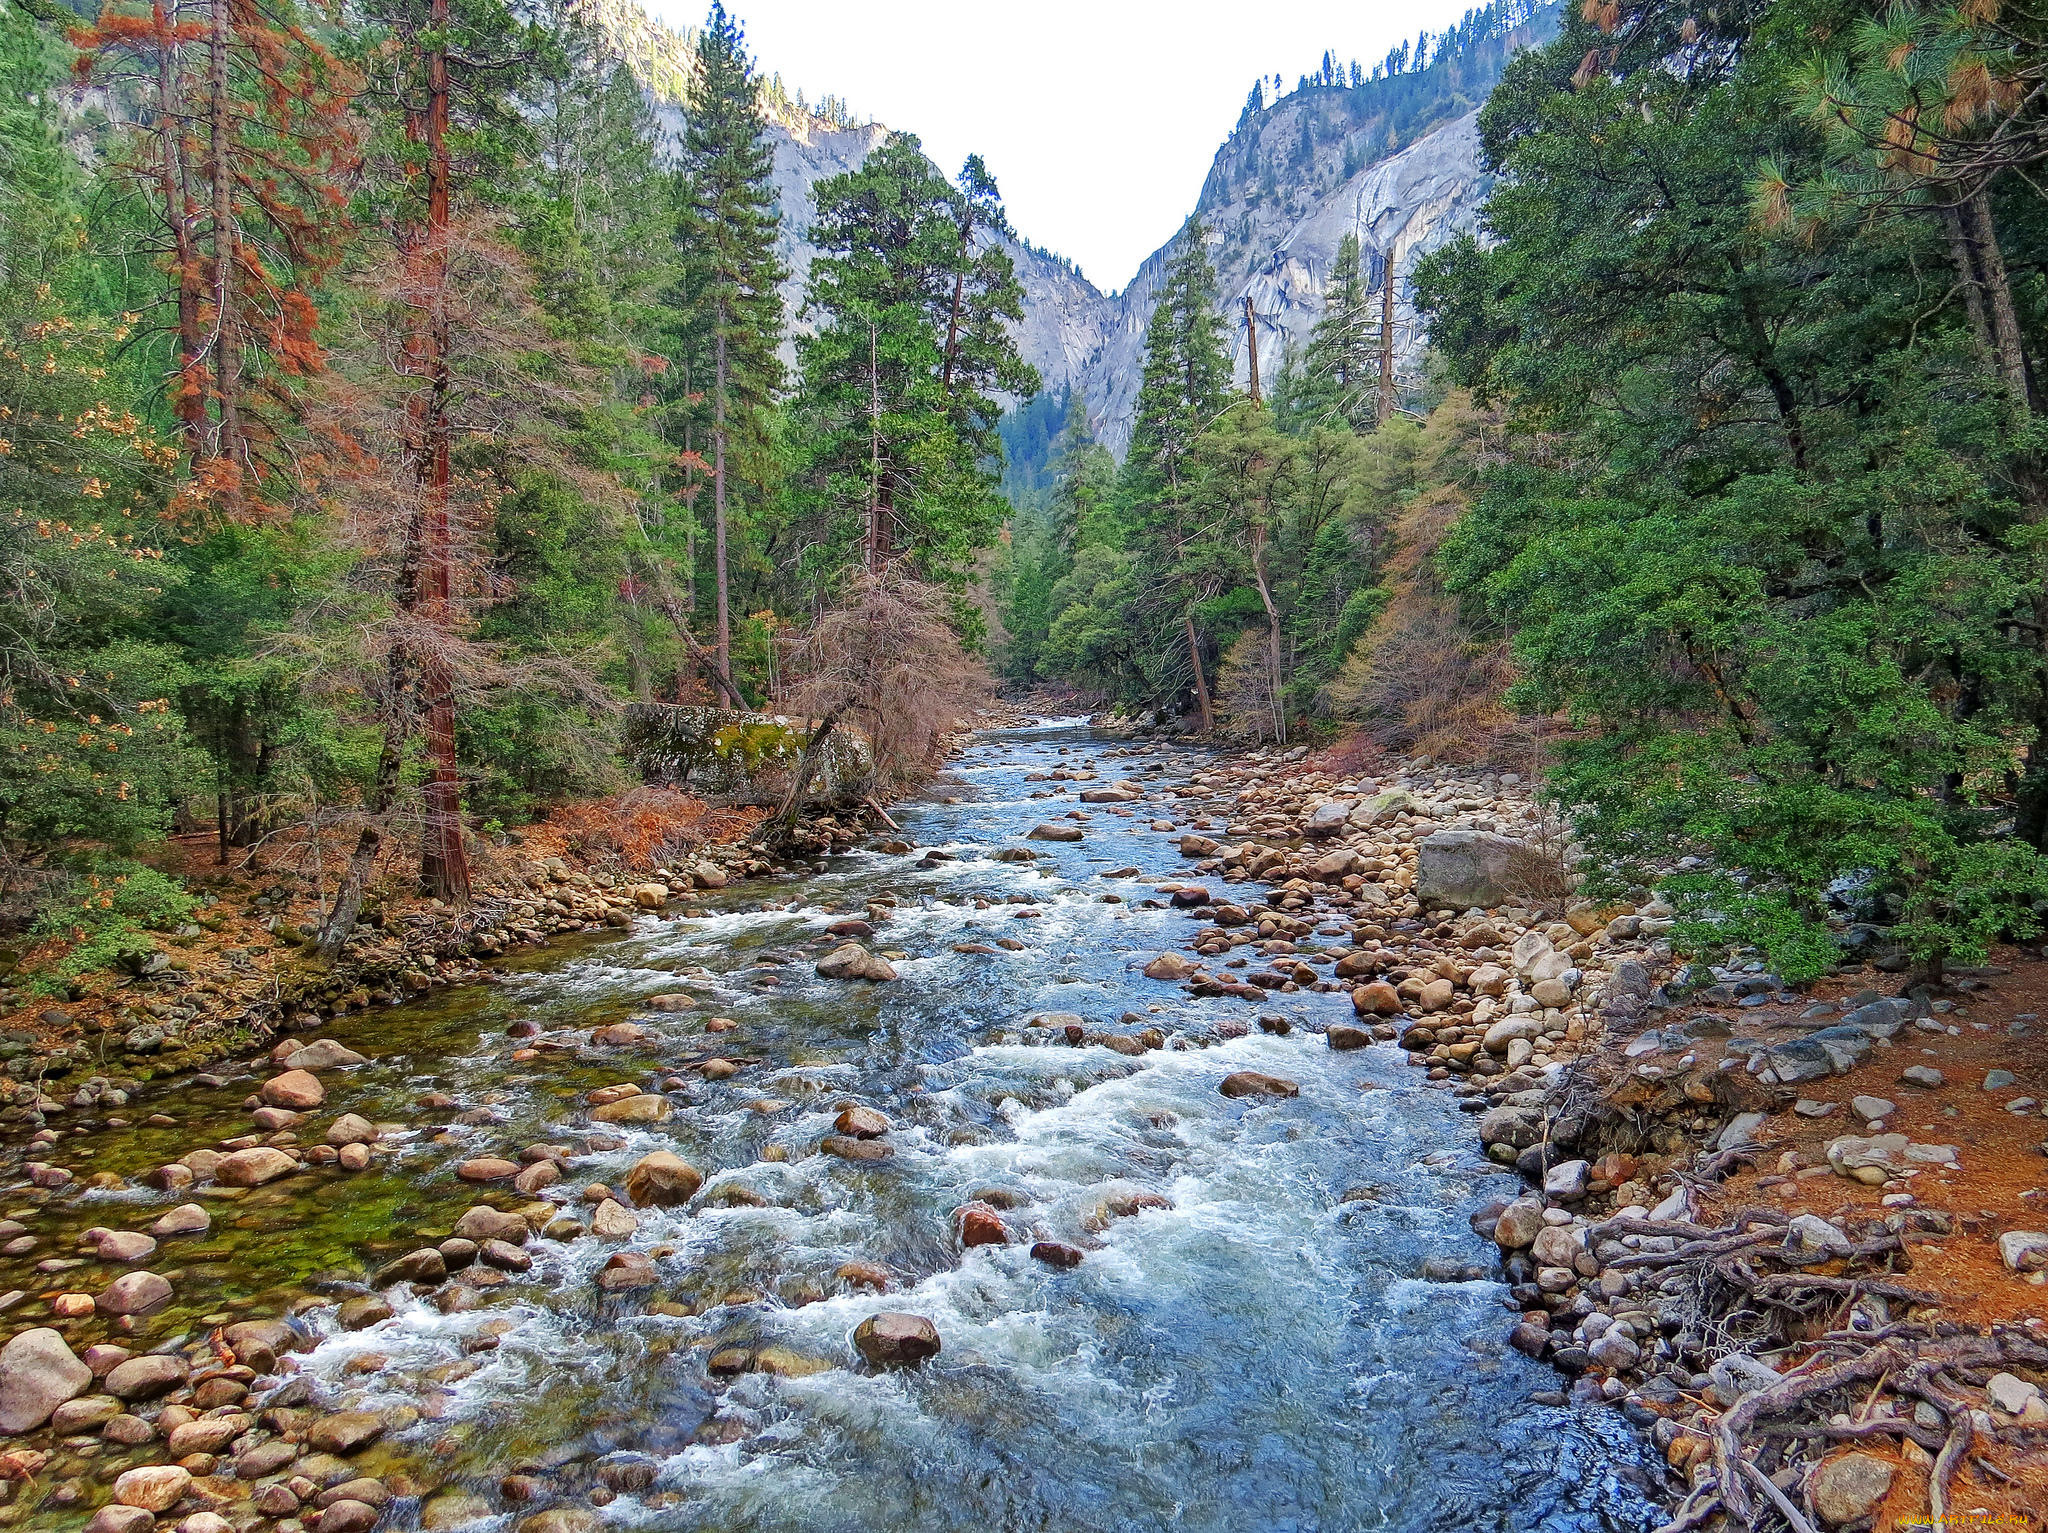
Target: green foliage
(1761,534)
(897,409)
(106,913)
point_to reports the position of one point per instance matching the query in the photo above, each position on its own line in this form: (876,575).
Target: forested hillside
(388,406)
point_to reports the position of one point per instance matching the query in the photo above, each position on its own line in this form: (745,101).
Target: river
(1308,1338)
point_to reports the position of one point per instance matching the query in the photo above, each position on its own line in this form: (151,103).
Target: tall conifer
(728,227)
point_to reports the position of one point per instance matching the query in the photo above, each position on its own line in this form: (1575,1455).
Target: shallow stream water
(1265,1354)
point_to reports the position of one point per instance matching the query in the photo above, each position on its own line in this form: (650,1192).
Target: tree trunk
(2007,344)
(1203,710)
(1251,336)
(875,507)
(665,598)
(776,827)
(1386,401)
(444,863)
(188,399)
(1965,262)
(718,557)
(347,908)
(227,438)
(1273,670)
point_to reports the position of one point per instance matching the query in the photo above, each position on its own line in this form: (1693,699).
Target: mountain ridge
(1393,158)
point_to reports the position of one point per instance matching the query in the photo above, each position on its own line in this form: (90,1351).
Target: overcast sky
(1098,117)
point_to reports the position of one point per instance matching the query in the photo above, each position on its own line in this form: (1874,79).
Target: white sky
(1097,117)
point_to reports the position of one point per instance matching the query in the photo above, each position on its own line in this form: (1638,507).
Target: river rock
(426,1265)
(2023,1250)
(845,1147)
(1251,1083)
(646,1107)
(980,1225)
(1056,1253)
(624,1270)
(146,1377)
(1376,999)
(362,1312)
(120,1245)
(559,1519)
(891,1339)
(1170,966)
(185,1219)
(1850,1487)
(299,1090)
(1341,1036)
(253,1167)
(351,1129)
(662,1180)
(153,1488)
(1459,869)
(85,1414)
(450,1509)
(611,1221)
(1055,833)
(348,1516)
(326,1054)
(482,1222)
(38,1373)
(135,1293)
(674,1000)
(116,1518)
(861,1123)
(344,1432)
(852,961)
(487,1168)
(1519,1224)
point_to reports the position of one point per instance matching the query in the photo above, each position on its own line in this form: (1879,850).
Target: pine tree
(1187,377)
(1186,387)
(1340,365)
(914,342)
(728,228)
(239,145)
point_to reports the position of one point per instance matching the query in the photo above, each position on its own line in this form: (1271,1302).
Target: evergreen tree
(727,233)
(1187,375)
(912,344)
(1340,366)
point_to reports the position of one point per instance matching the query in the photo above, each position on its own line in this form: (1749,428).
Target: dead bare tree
(887,662)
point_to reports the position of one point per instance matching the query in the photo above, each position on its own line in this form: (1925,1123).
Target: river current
(1299,1342)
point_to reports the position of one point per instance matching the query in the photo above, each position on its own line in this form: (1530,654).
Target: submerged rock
(1251,1083)
(852,961)
(38,1373)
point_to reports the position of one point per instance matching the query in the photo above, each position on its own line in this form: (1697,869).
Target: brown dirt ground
(626,832)
(2002,1185)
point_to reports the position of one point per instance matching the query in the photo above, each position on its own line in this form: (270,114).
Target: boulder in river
(624,1270)
(1055,833)
(153,1487)
(980,1225)
(1342,1036)
(852,961)
(891,1339)
(324,1054)
(351,1129)
(1252,1083)
(861,1123)
(299,1090)
(482,1222)
(254,1167)
(1170,966)
(662,1180)
(135,1293)
(643,1107)
(487,1168)
(146,1377)
(38,1373)
(1056,1253)
(344,1432)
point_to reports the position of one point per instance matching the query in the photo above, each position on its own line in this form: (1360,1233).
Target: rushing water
(1266,1354)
